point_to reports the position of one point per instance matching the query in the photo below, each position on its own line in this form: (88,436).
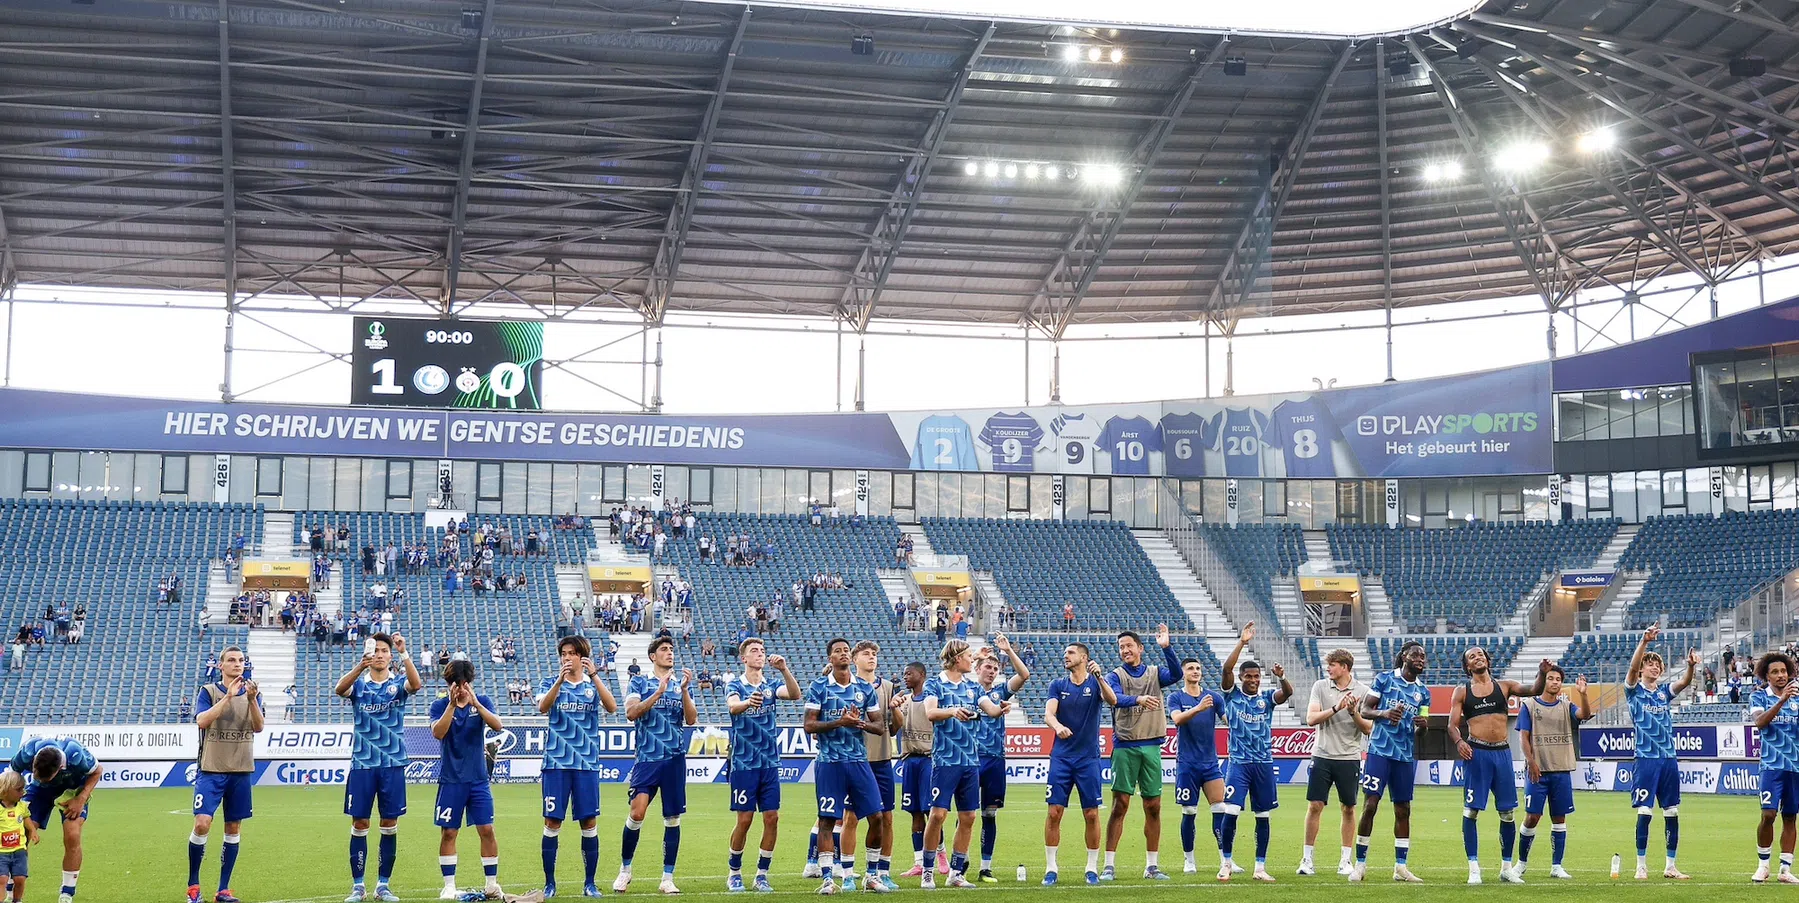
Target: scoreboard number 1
(384,378)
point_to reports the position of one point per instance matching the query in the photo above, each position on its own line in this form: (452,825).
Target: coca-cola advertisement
(1032,742)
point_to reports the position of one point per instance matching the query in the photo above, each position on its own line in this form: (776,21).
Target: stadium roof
(548,157)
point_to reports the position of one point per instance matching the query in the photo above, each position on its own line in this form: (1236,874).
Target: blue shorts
(1655,782)
(668,776)
(956,786)
(367,786)
(1069,775)
(1251,782)
(1190,781)
(1556,789)
(1489,772)
(457,802)
(846,786)
(756,789)
(1780,790)
(39,802)
(1383,776)
(211,788)
(915,784)
(883,783)
(570,793)
(993,782)
(16,864)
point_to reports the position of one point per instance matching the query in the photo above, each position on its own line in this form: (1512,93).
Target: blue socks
(627,845)
(196,853)
(764,859)
(958,862)
(930,860)
(1261,839)
(1402,850)
(388,850)
(989,833)
(227,860)
(359,855)
(671,847)
(735,861)
(1471,838)
(1227,836)
(1558,842)
(590,854)
(1508,837)
(918,841)
(1361,849)
(1643,834)
(1526,837)
(1189,832)
(1218,828)
(1671,826)
(550,843)
(812,847)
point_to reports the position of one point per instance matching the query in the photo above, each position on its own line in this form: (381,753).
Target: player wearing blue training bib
(1776,719)
(1249,713)
(460,722)
(835,708)
(1478,724)
(64,774)
(661,705)
(755,763)
(1656,779)
(573,700)
(1194,711)
(1399,704)
(1071,710)
(953,701)
(377,696)
(990,739)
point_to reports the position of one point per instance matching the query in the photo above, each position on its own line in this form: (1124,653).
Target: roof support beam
(875,264)
(446,298)
(1273,196)
(1386,187)
(667,265)
(1552,292)
(228,200)
(1072,275)
(1562,72)
(1669,243)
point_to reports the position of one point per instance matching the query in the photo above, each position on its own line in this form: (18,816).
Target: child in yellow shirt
(16,831)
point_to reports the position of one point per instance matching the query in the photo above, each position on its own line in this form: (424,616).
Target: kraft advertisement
(1498,422)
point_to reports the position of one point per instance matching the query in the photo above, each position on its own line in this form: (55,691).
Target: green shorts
(1137,771)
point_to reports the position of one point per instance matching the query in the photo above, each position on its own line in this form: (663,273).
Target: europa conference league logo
(375,342)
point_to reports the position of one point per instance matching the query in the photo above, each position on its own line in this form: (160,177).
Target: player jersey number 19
(1131,450)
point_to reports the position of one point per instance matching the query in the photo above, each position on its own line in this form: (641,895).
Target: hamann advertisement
(1497,422)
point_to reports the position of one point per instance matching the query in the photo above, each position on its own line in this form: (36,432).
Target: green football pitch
(295,850)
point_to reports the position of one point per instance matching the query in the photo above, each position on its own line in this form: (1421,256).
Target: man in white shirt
(1335,710)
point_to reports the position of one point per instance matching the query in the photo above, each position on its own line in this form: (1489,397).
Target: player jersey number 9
(1075,451)
(1131,450)
(1013,450)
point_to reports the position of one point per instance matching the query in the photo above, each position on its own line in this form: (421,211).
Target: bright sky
(1318,17)
(175,349)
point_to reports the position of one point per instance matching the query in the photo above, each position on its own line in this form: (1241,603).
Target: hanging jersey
(1013,440)
(1129,440)
(1074,436)
(1304,431)
(1185,437)
(1239,436)
(944,443)
(380,716)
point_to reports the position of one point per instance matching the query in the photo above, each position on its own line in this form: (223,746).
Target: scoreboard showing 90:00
(418,363)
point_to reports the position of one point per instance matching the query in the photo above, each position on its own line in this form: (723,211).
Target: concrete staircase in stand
(921,544)
(631,646)
(1377,608)
(1287,606)
(271,652)
(277,540)
(1195,599)
(1318,552)
(221,588)
(1524,665)
(1614,549)
(1612,619)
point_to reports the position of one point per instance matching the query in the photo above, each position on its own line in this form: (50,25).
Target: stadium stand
(1606,656)
(1473,577)
(1376,654)
(140,658)
(1700,565)
(1256,554)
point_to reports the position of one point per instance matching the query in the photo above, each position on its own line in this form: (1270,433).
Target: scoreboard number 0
(507,379)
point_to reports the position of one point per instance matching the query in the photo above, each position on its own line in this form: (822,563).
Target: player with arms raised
(1776,718)
(834,706)
(1197,776)
(1249,712)
(1546,731)
(1071,710)
(1656,779)
(756,756)
(378,759)
(229,712)
(990,736)
(953,701)
(64,775)
(1478,723)
(573,700)
(460,722)
(662,713)
(1399,705)
(1139,727)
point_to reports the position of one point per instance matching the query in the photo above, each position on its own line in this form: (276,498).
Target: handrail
(1184,533)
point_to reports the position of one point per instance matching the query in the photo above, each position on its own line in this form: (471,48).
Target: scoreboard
(403,362)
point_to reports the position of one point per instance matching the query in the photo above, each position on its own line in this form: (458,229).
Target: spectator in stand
(368,561)
(1029,656)
(186,710)
(393,558)
(315,540)
(634,669)
(18,651)
(1068,616)
(343,537)
(77,630)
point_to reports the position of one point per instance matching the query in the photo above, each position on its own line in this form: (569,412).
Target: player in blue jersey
(1776,719)
(1478,721)
(1547,733)
(835,704)
(573,700)
(1013,440)
(755,762)
(661,705)
(944,442)
(1194,711)
(378,759)
(64,775)
(1249,712)
(229,713)
(883,720)
(990,735)
(1656,778)
(1071,711)
(953,702)
(460,722)
(1399,704)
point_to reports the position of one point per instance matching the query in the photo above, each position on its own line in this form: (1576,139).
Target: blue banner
(1587,579)
(1697,741)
